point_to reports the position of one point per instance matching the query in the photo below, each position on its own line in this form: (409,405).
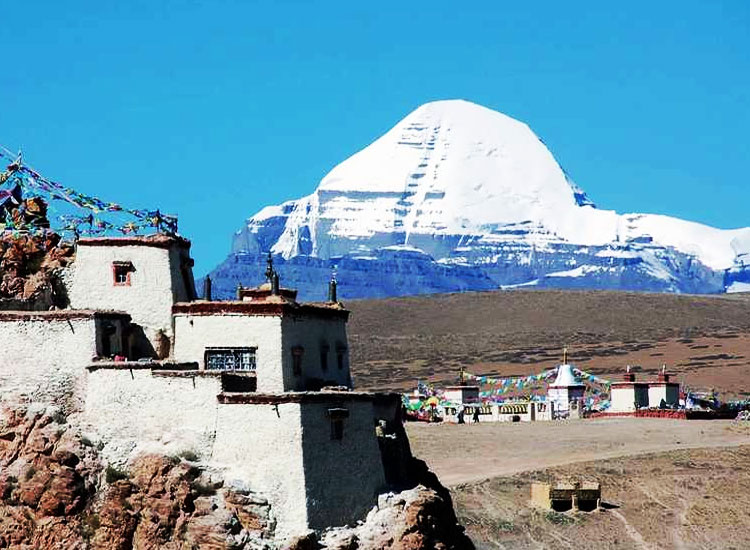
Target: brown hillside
(705,340)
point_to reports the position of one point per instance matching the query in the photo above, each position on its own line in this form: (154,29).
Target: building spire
(332,287)
(565,355)
(269,268)
(207,288)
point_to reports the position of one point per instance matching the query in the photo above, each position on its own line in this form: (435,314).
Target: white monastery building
(259,386)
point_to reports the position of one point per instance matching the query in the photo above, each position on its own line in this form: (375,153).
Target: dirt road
(468,453)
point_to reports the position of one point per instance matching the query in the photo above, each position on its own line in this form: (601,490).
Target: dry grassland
(704,340)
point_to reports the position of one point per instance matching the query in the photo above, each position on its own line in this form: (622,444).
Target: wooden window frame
(119,269)
(337,416)
(297,354)
(340,356)
(324,349)
(236,359)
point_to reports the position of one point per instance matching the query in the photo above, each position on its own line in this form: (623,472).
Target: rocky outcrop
(415,519)
(56,493)
(32,260)
(169,503)
(47,478)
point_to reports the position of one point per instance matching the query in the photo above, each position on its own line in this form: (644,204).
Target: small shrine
(566,389)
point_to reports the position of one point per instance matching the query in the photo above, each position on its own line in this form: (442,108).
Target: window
(337,429)
(337,417)
(324,356)
(230,359)
(297,352)
(340,356)
(121,272)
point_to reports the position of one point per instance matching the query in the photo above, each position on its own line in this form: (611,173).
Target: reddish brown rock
(56,494)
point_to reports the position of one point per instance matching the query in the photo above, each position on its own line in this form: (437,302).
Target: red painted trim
(636,385)
(155,241)
(257,308)
(61,314)
(115,267)
(253,398)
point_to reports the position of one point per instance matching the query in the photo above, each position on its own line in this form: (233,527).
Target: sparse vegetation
(89,525)
(398,340)
(188,455)
(559,518)
(112,474)
(203,489)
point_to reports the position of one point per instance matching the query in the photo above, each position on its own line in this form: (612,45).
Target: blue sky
(214,109)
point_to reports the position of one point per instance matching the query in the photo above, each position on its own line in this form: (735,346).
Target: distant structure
(565,394)
(564,495)
(629,395)
(259,386)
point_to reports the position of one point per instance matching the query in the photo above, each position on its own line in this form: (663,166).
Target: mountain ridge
(460,197)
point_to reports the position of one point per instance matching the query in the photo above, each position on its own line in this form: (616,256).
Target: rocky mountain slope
(459,197)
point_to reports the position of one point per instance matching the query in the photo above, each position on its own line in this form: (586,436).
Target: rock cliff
(31,260)
(56,493)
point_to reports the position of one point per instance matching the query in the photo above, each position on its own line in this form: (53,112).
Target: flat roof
(250,308)
(254,398)
(158,240)
(61,314)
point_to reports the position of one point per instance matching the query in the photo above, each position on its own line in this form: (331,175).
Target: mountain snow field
(459,197)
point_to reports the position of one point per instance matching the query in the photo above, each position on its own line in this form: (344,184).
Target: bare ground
(665,483)
(668,484)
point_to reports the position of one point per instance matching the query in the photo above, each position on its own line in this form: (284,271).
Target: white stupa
(567,387)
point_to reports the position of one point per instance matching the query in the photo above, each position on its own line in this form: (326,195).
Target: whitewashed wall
(261,445)
(670,393)
(137,410)
(194,333)
(343,477)
(156,283)
(628,398)
(310,332)
(46,359)
(284,451)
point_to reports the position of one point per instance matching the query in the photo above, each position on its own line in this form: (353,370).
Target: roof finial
(332,285)
(565,355)
(269,268)
(275,283)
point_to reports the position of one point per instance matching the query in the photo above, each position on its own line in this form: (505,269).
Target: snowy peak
(455,166)
(467,197)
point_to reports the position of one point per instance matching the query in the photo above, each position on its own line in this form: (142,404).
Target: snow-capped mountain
(459,197)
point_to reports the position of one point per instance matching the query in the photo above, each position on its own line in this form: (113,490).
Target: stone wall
(628,396)
(262,446)
(667,391)
(136,410)
(274,337)
(276,444)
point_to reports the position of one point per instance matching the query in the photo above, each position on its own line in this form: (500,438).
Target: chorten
(567,387)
